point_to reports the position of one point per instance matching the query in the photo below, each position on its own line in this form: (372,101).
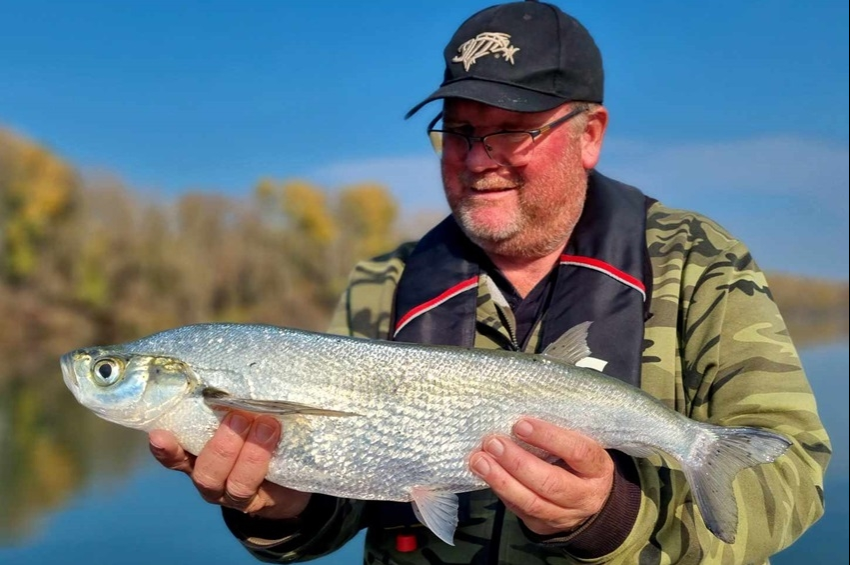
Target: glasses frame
(470,139)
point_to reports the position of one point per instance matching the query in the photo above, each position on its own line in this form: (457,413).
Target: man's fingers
(547,497)
(252,464)
(167,451)
(583,456)
(553,484)
(216,460)
(231,468)
(517,497)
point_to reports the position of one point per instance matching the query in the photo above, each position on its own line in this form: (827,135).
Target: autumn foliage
(86,261)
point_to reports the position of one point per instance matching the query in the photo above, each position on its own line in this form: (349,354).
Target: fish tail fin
(713,464)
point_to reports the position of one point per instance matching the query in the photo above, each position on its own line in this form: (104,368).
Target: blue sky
(738,110)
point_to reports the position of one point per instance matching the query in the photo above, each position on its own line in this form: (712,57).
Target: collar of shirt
(527,310)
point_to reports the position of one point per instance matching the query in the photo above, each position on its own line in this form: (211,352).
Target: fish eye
(107,371)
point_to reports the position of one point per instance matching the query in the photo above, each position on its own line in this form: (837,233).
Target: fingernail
(263,432)
(481,466)
(157,449)
(523,428)
(238,423)
(495,446)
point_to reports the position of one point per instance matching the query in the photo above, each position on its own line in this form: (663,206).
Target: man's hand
(231,469)
(548,497)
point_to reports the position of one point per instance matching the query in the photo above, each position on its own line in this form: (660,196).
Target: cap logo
(483,44)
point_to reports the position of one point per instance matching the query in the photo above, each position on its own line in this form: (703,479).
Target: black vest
(603,276)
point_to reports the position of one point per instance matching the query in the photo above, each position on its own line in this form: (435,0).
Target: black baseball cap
(522,56)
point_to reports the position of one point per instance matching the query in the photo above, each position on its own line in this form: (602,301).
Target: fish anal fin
(572,346)
(217,398)
(437,510)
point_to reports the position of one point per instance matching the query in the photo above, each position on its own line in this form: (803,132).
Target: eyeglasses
(507,148)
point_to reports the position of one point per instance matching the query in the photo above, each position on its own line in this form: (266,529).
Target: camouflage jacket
(715,349)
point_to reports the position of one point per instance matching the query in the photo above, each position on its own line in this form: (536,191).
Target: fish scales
(378,420)
(421,412)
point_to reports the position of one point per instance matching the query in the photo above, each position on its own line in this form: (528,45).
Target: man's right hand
(230,470)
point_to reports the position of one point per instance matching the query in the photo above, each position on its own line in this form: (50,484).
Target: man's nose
(477,158)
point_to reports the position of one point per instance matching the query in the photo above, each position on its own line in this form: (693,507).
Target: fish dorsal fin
(437,510)
(572,346)
(215,397)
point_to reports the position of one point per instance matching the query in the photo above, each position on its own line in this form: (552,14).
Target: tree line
(88,260)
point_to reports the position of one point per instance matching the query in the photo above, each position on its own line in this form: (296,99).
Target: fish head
(130,389)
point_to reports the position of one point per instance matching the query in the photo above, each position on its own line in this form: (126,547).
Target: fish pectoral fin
(437,510)
(572,346)
(218,398)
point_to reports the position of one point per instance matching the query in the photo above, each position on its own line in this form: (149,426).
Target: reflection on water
(56,457)
(50,447)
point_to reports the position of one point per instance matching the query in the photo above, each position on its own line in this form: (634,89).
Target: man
(537,242)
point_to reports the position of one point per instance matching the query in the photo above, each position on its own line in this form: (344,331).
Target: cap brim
(500,95)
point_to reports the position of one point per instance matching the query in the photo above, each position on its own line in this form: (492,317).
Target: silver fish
(378,420)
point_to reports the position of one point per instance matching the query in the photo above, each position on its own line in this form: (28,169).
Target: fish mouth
(68,372)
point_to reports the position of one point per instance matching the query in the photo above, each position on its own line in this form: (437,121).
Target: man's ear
(592,136)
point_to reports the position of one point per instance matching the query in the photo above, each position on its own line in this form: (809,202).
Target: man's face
(523,211)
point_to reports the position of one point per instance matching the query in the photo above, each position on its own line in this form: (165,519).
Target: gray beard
(504,241)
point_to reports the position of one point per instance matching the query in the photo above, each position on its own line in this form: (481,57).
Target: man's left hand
(549,497)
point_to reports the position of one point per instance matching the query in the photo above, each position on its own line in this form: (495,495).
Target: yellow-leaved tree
(367,214)
(37,191)
(300,219)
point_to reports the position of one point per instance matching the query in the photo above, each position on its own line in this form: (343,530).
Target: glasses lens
(508,149)
(436,138)
(447,142)
(513,148)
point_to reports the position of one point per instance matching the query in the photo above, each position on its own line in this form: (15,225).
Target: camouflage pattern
(716,349)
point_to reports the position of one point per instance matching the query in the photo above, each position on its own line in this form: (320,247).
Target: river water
(76,490)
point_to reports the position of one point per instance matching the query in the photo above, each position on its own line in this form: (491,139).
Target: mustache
(490,181)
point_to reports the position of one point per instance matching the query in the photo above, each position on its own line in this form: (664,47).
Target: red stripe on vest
(434,302)
(604,267)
